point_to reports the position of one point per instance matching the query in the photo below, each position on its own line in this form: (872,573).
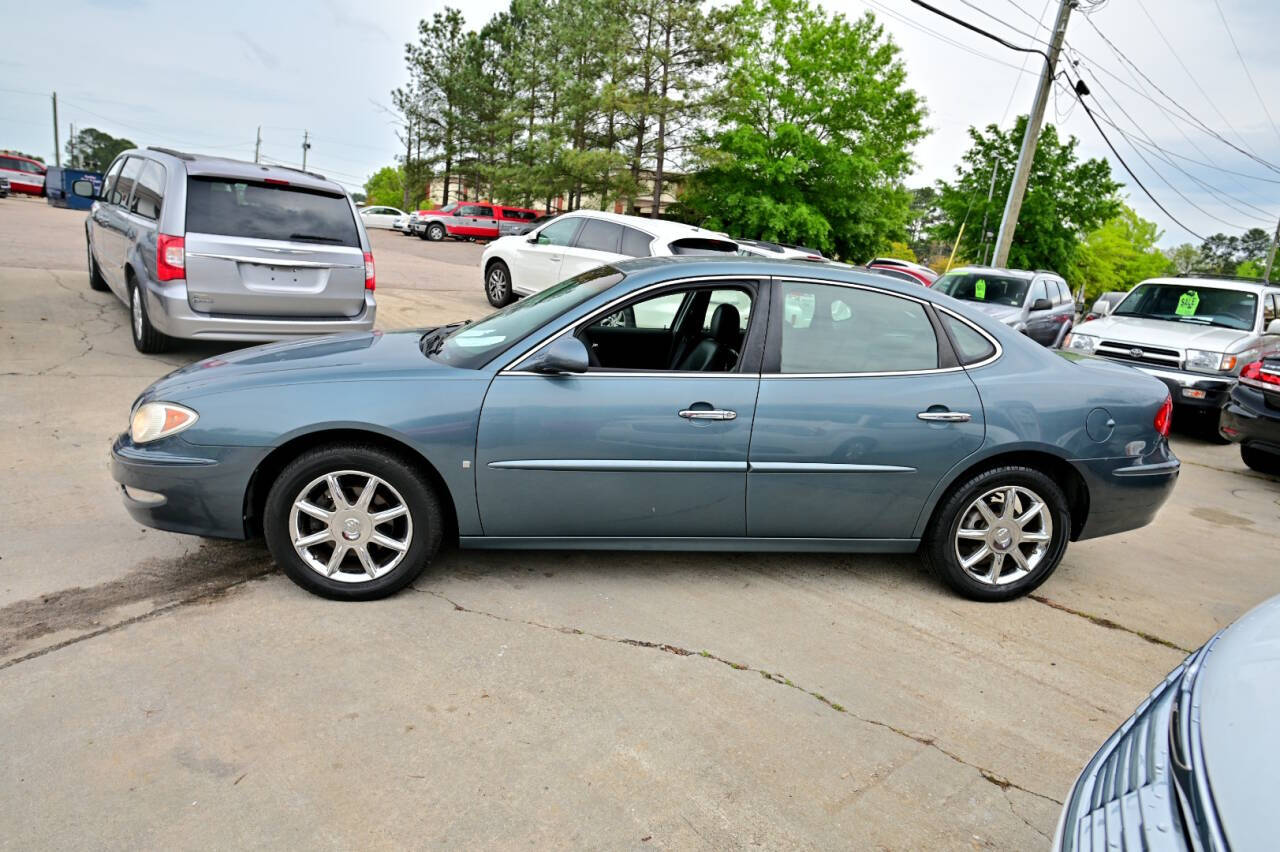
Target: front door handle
(708,414)
(555,257)
(945,416)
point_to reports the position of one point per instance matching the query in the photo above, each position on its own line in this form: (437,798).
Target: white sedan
(380,217)
(573,243)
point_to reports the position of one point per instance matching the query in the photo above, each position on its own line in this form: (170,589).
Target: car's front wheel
(96,281)
(1000,534)
(435,232)
(352,522)
(497,285)
(1260,460)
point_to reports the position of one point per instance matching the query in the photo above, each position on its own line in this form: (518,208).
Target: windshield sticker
(478,337)
(980,288)
(1187,304)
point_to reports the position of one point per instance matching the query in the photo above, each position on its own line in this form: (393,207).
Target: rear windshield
(267,212)
(702,245)
(983,287)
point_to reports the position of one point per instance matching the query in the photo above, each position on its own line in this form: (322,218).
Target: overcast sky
(204,77)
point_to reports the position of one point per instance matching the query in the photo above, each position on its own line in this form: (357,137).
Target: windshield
(981,287)
(472,346)
(1201,305)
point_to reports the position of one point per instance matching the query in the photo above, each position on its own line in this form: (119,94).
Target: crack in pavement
(931,742)
(1029,824)
(1108,623)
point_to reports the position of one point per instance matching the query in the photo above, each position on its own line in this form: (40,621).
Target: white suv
(584,239)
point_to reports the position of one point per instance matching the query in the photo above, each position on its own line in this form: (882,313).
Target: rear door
(595,245)
(260,249)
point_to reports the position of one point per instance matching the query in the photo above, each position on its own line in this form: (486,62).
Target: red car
(905,269)
(471,220)
(24,174)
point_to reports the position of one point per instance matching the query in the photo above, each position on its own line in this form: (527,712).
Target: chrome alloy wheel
(350,526)
(135,308)
(1004,535)
(496,284)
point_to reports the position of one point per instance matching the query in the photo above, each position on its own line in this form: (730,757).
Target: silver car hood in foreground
(1162,333)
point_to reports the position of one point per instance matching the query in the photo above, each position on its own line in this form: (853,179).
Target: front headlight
(1081,342)
(156,420)
(1209,362)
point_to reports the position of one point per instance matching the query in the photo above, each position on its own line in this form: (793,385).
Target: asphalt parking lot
(166,691)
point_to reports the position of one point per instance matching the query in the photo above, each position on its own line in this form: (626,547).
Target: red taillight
(1257,375)
(1089,317)
(1164,417)
(370,280)
(276,181)
(171,261)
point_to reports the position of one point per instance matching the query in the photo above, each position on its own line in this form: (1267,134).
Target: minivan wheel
(352,522)
(497,285)
(1000,534)
(145,337)
(96,281)
(435,232)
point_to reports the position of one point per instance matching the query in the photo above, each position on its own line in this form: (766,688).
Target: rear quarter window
(269,212)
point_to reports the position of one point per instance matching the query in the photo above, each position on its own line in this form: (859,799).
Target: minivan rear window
(269,212)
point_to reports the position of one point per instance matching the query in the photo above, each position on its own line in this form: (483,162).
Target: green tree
(1183,258)
(94,150)
(817,129)
(1118,255)
(385,187)
(1066,198)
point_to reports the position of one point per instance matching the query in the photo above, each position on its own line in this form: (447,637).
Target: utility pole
(1018,188)
(1271,254)
(257,146)
(57,152)
(990,193)
(306,146)
(72,141)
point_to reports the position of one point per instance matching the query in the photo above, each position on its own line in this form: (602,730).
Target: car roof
(657,227)
(225,167)
(1000,270)
(1251,285)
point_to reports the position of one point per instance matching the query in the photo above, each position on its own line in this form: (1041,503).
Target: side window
(635,243)
(599,235)
(109,180)
(484,211)
(560,232)
(1038,291)
(740,301)
(971,347)
(124,184)
(466,210)
(148,193)
(1058,293)
(658,313)
(9,163)
(831,329)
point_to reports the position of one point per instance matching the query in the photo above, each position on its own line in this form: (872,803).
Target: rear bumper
(1186,387)
(1248,420)
(1126,493)
(171,313)
(184,488)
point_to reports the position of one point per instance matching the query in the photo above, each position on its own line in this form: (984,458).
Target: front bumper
(1126,493)
(1186,387)
(180,487)
(1248,420)
(171,314)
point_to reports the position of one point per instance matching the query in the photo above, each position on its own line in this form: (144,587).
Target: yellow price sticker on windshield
(1187,304)
(980,288)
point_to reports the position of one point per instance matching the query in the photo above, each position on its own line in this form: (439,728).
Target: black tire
(434,232)
(1260,460)
(939,548)
(146,338)
(96,281)
(421,500)
(497,285)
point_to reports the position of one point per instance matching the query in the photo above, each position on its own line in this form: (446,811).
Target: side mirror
(1273,327)
(83,188)
(533,241)
(1041,305)
(564,355)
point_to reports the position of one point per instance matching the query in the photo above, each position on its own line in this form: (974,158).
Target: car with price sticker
(1037,303)
(1195,334)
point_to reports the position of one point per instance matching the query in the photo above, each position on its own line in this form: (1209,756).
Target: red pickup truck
(470,220)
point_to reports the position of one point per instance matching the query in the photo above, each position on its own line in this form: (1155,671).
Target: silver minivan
(217,249)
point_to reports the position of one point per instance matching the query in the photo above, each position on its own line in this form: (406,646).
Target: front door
(538,256)
(625,453)
(860,414)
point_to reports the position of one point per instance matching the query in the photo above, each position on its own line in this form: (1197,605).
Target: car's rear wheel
(1000,534)
(96,281)
(1260,460)
(435,232)
(352,522)
(146,338)
(497,285)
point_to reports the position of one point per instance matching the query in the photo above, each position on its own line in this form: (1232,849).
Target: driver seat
(719,352)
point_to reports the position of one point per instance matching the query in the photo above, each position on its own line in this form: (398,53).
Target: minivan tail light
(171,257)
(370,280)
(1164,417)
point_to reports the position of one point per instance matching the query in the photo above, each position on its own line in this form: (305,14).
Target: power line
(1003,22)
(979,30)
(927,30)
(1247,73)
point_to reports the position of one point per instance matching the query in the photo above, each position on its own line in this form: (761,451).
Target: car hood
(1239,705)
(366,355)
(1003,313)
(1163,333)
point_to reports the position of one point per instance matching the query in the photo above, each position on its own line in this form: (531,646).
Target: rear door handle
(708,414)
(945,416)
